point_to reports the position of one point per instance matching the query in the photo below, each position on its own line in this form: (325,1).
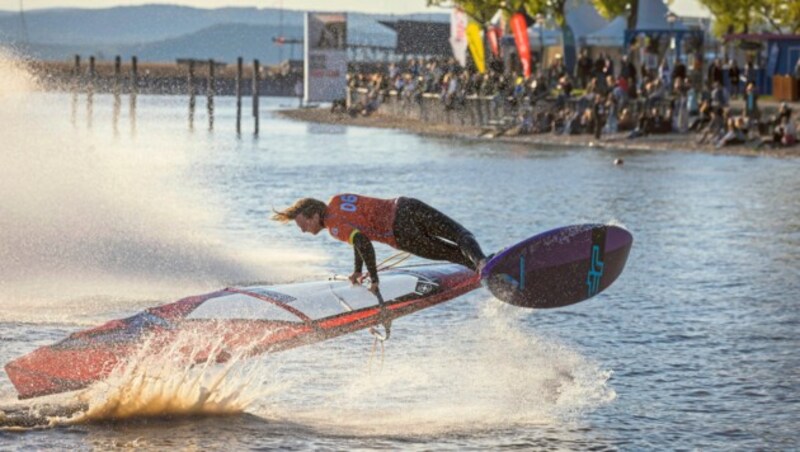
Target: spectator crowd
(602,96)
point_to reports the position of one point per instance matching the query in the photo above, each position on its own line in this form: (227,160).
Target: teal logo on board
(595,272)
(517,285)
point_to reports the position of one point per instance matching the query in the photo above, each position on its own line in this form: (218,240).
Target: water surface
(695,346)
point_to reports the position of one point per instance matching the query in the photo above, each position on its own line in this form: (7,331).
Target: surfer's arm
(364,254)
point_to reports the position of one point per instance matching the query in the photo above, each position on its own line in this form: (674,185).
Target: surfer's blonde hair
(306,206)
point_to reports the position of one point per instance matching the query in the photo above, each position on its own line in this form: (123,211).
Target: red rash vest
(348,213)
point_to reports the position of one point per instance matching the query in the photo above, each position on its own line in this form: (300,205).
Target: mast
(23,25)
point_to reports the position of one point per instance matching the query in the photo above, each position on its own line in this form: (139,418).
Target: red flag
(493,33)
(520,29)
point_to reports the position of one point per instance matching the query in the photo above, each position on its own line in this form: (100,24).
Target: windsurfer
(406,224)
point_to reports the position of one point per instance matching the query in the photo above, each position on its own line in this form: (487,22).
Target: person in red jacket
(403,223)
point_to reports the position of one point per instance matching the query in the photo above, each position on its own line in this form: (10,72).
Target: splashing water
(158,382)
(477,374)
(15,81)
(154,383)
(92,224)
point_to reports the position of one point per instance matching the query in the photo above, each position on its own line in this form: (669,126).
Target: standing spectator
(627,70)
(679,71)
(664,73)
(715,73)
(599,65)
(611,113)
(718,99)
(751,104)
(598,115)
(556,70)
(749,72)
(608,69)
(298,91)
(583,69)
(620,92)
(645,75)
(681,107)
(733,75)
(692,101)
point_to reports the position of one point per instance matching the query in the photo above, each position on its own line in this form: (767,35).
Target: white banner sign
(325,57)
(458,35)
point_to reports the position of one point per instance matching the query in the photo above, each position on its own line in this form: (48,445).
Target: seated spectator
(789,131)
(692,101)
(355,109)
(558,122)
(339,106)
(697,123)
(776,140)
(611,115)
(735,133)
(661,123)
(783,111)
(572,123)
(544,122)
(644,125)
(714,129)
(587,120)
(565,86)
(540,88)
(655,93)
(626,120)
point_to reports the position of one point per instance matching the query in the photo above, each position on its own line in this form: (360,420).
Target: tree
(775,16)
(480,11)
(613,8)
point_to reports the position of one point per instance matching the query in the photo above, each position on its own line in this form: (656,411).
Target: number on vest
(348,203)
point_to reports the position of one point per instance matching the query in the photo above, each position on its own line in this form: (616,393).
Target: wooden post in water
(74,83)
(191,95)
(134,91)
(210,94)
(239,63)
(90,92)
(256,70)
(117,87)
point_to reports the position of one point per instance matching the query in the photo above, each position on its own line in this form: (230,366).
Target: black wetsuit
(425,232)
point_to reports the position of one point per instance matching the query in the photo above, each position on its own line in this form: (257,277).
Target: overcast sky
(680,7)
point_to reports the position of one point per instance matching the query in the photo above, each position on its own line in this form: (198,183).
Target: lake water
(695,346)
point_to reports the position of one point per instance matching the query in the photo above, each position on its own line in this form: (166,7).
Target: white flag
(458,35)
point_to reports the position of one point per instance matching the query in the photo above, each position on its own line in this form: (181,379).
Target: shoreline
(618,141)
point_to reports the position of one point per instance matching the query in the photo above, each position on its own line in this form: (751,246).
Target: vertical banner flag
(475,41)
(520,29)
(458,35)
(325,57)
(494,31)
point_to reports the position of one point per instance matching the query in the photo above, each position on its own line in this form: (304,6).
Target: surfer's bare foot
(481,264)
